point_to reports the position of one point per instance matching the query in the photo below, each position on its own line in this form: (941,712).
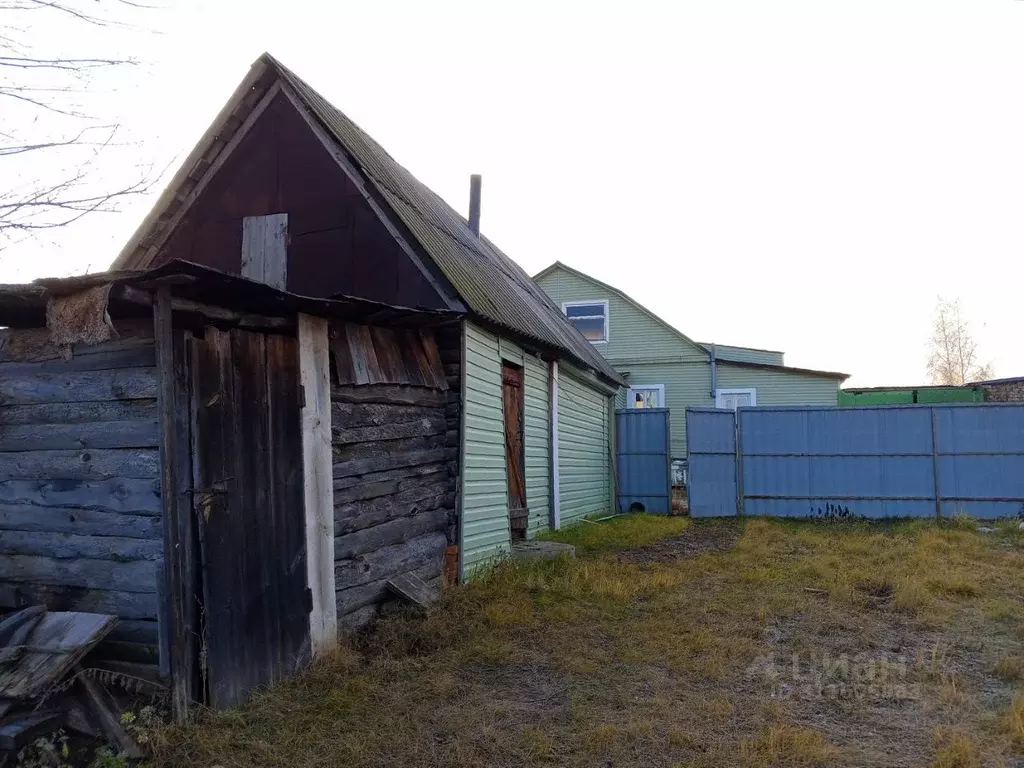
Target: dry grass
(955,749)
(803,644)
(1015,721)
(628,532)
(787,745)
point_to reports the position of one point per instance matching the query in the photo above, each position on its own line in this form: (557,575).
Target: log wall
(395,474)
(80,524)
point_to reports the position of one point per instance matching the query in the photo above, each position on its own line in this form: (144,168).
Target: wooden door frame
(518,372)
(180,583)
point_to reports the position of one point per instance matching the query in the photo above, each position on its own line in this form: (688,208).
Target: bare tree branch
(45,119)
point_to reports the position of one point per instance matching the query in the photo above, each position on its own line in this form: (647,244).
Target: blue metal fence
(887,461)
(642,456)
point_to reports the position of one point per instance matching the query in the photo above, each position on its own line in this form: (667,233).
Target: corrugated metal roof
(492,285)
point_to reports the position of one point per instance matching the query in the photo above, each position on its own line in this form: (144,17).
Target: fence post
(935,464)
(738,435)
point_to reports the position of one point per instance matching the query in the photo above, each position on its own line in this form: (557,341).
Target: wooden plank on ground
(19,730)
(414,589)
(55,645)
(391,561)
(21,622)
(105,708)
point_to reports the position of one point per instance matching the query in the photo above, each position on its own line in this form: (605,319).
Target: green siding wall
(746,355)
(778,388)
(537,428)
(583,461)
(689,385)
(686,385)
(485,533)
(632,333)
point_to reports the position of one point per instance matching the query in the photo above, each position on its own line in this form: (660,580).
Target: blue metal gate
(887,461)
(644,479)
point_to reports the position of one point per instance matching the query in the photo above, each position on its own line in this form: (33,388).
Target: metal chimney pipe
(474,203)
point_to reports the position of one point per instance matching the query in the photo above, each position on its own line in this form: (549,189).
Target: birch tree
(953,355)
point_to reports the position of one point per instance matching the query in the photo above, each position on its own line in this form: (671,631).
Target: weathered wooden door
(512,400)
(248,497)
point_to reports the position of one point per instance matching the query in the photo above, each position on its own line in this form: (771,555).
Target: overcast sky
(804,176)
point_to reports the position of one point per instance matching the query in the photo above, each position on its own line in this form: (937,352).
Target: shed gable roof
(493,287)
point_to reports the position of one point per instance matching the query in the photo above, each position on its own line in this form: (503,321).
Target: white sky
(805,176)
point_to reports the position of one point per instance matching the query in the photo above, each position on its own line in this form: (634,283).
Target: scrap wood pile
(43,686)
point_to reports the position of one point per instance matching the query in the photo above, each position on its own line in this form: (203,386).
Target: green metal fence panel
(910,395)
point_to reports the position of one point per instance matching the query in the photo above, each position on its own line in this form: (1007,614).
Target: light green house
(665,368)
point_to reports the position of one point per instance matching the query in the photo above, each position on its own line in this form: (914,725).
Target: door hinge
(307,597)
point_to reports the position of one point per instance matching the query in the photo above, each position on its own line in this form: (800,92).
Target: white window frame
(630,399)
(752,391)
(607,320)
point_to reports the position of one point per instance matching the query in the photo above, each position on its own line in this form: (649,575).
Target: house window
(646,396)
(735,398)
(589,317)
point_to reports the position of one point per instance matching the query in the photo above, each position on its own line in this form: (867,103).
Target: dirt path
(702,537)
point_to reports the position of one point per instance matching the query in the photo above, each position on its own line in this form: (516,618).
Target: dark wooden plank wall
(395,474)
(336,242)
(80,524)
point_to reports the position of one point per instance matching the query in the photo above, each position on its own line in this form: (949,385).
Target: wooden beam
(265,249)
(178,608)
(246,320)
(314,375)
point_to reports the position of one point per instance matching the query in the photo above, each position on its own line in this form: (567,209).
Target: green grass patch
(673,655)
(626,532)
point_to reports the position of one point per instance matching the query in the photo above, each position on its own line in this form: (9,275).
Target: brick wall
(1009,392)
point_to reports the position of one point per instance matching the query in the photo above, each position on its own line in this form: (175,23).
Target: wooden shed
(529,406)
(229,468)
